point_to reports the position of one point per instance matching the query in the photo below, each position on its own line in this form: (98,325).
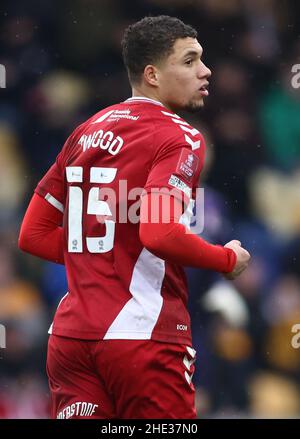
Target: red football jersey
(117,289)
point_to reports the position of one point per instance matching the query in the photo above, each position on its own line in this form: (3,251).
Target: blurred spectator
(275,200)
(282,310)
(273,396)
(53,284)
(21,311)
(13,183)
(23,390)
(280,108)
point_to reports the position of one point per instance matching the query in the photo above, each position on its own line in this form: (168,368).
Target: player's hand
(242,259)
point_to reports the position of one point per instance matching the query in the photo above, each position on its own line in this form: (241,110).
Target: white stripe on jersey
(139,316)
(54,202)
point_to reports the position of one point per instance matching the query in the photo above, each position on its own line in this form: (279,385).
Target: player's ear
(151,75)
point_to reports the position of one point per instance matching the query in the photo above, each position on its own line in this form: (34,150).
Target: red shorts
(129,379)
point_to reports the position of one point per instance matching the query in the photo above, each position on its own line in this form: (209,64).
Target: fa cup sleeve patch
(187,164)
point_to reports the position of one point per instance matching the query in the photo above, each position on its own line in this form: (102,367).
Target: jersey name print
(116,287)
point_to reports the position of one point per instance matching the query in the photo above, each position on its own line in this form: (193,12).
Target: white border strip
(54,202)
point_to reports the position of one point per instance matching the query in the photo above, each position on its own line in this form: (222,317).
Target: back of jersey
(116,287)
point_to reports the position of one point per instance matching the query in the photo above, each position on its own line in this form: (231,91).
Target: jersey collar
(144,99)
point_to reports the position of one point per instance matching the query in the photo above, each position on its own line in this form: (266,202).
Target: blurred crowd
(63,63)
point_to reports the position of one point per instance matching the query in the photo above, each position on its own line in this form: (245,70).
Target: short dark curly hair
(151,40)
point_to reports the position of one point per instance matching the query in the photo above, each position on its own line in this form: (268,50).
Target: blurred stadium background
(63,63)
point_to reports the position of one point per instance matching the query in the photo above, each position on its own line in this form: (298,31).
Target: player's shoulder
(90,122)
(101,115)
(173,129)
(173,121)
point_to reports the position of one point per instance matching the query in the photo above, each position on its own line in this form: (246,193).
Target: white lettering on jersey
(95,206)
(181,328)
(122,114)
(102,139)
(179,184)
(116,115)
(78,409)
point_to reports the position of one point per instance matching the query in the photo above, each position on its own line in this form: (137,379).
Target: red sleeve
(170,240)
(41,233)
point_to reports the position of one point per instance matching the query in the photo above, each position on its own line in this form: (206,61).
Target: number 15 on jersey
(95,206)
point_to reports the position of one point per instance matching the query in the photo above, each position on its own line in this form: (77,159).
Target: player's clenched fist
(242,259)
